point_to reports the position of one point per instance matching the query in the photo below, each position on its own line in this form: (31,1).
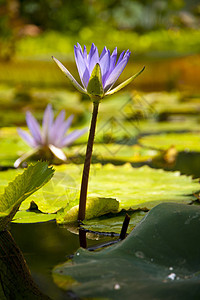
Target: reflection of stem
(15,277)
(124,227)
(86,169)
(82,238)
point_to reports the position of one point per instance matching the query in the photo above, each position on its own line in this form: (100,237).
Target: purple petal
(27,137)
(81,65)
(93,58)
(85,53)
(47,123)
(114,75)
(103,52)
(105,65)
(72,137)
(120,57)
(59,121)
(62,131)
(113,59)
(34,127)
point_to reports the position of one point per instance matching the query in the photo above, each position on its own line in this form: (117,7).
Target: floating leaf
(158,260)
(134,188)
(115,153)
(25,184)
(113,222)
(23,216)
(95,207)
(181,141)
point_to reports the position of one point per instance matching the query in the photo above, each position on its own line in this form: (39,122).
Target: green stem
(86,169)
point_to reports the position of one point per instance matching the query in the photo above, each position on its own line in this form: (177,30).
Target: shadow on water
(44,245)
(186,162)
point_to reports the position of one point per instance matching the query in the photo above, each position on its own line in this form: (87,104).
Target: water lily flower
(98,74)
(49,139)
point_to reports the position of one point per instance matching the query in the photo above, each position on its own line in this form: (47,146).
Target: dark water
(44,245)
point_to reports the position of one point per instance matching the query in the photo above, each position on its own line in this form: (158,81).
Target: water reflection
(15,278)
(44,246)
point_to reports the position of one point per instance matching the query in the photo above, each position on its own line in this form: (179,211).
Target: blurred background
(163,35)
(160,34)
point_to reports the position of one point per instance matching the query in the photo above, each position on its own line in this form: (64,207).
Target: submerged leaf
(158,260)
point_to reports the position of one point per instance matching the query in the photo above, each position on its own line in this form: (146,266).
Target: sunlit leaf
(158,260)
(133,187)
(95,207)
(25,184)
(115,152)
(181,141)
(23,216)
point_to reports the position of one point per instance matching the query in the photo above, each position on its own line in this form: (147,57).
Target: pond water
(44,245)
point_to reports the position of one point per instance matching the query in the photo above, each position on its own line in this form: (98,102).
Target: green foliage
(156,44)
(158,260)
(25,184)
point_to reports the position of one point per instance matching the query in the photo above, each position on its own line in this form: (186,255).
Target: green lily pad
(158,260)
(181,141)
(25,184)
(113,222)
(23,216)
(11,146)
(134,188)
(95,207)
(115,153)
(175,125)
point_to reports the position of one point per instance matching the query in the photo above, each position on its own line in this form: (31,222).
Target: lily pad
(25,184)
(113,222)
(115,153)
(23,216)
(158,260)
(134,188)
(95,207)
(11,146)
(181,141)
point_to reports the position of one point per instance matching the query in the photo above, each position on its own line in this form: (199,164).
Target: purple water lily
(98,74)
(110,68)
(52,136)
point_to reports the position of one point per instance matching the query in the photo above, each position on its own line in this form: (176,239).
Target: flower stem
(86,169)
